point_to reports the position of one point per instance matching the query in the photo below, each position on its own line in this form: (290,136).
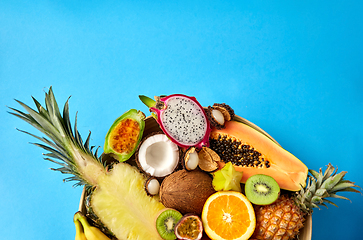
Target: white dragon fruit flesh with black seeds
(183,120)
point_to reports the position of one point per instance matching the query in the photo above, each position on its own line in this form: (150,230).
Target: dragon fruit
(181,118)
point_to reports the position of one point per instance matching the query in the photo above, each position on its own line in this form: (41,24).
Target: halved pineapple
(119,199)
(122,207)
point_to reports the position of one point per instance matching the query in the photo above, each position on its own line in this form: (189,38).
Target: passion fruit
(189,227)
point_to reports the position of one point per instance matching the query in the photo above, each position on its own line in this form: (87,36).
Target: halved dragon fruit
(181,118)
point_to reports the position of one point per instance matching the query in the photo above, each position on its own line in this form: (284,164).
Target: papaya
(252,151)
(124,135)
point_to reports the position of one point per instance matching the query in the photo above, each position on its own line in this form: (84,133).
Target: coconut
(186,191)
(157,156)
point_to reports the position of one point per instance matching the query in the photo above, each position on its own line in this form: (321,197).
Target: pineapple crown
(323,185)
(63,146)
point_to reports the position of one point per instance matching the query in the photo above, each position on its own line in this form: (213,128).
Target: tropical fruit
(219,114)
(124,135)
(166,222)
(261,189)
(121,203)
(85,231)
(227,178)
(181,118)
(157,156)
(186,191)
(285,217)
(117,196)
(228,215)
(189,227)
(252,152)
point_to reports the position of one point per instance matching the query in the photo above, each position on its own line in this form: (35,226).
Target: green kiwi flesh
(166,221)
(261,189)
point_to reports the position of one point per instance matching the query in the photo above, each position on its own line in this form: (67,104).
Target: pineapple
(117,196)
(284,218)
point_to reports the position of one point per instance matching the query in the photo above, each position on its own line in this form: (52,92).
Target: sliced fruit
(252,152)
(181,118)
(228,215)
(261,189)
(123,206)
(166,222)
(189,227)
(227,179)
(124,135)
(118,199)
(157,156)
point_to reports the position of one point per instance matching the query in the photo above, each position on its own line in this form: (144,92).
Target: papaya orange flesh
(252,152)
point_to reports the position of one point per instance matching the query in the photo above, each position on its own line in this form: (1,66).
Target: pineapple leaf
(67,122)
(330,202)
(59,148)
(322,192)
(63,147)
(343,185)
(314,173)
(41,110)
(46,126)
(350,189)
(333,180)
(338,196)
(328,172)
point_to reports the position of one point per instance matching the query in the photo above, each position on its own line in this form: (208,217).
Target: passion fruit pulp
(124,135)
(189,227)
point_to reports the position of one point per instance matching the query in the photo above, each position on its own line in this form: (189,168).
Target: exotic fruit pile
(201,173)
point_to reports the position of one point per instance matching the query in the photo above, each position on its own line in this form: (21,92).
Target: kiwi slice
(166,221)
(261,189)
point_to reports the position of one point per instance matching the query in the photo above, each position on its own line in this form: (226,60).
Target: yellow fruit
(228,215)
(121,203)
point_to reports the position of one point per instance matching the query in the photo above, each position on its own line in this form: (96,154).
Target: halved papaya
(252,152)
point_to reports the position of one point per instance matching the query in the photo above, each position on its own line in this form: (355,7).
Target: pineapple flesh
(283,219)
(117,196)
(122,207)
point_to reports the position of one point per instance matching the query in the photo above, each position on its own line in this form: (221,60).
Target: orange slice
(228,215)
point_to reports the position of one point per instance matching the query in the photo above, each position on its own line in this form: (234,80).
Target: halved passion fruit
(124,135)
(189,227)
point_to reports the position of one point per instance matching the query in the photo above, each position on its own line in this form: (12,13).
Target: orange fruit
(228,215)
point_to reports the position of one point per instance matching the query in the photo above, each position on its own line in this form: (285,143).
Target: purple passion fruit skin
(124,135)
(189,227)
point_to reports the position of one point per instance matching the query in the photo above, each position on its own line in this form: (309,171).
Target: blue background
(294,68)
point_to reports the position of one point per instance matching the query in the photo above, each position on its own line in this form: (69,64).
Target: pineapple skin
(281,220)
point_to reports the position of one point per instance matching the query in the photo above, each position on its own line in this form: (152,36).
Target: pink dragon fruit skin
(183,120)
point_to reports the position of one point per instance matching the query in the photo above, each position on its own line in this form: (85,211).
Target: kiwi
(261,189)
(166,221)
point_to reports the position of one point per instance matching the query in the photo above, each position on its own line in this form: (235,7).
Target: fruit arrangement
(198,173)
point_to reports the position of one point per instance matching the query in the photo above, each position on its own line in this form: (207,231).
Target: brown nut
(208,159)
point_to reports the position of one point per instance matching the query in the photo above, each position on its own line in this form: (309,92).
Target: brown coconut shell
(186,191)
(137,155)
